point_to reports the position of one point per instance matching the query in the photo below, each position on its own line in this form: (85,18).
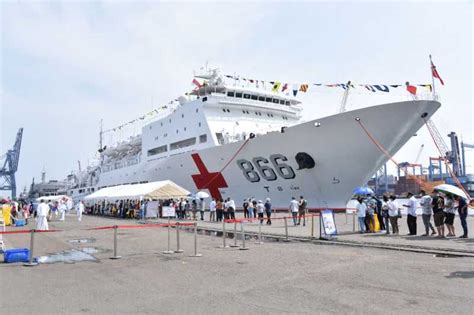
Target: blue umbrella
(362,191)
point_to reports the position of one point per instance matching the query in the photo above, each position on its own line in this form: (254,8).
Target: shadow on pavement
(461,274)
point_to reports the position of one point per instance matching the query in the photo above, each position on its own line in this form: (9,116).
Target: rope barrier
(29,231)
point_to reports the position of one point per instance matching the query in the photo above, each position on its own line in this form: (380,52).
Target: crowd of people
(379,214)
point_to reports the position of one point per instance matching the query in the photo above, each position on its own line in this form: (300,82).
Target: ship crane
(10,165)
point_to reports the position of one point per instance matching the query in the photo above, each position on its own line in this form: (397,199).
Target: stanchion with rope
(196,254)
(168,251)
(224,245)
(30,262)
(286,239)
(115,256)
(178,247)
(312,226)
(235,235)
(243,247)
(259,242)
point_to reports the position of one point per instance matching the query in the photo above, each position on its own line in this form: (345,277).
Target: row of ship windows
(177,131)
(226,110)
(177,145)
(182,116)
(258,97)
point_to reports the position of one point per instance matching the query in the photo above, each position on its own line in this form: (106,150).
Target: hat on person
(268,199)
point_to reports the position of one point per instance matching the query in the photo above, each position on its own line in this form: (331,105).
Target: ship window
(202,138)
(275,101)
(231,93)
(199,124)
(287,103)
(247,96)
(282,102)
(170,121)
(256,113)
(204,99)
(268,99)
(182,144)
(260,114)
(261,98)
(254,97)
(177,131)
(184,128)
(197,110)
(238,94)
(228,110)
(182,115)
(243,111)
(223,110)
(157,150)
(161,124)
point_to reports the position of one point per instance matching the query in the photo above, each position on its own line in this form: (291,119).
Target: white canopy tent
(155,190)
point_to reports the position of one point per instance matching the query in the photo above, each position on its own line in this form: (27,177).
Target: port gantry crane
(10,165)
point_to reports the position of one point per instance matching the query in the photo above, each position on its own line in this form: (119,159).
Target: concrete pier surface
(275,277)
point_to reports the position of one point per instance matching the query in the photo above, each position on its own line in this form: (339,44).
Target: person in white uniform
(62,210)
(80,210)
(42,213)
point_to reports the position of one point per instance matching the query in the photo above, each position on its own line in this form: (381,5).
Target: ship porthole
(424,115)
(357,119)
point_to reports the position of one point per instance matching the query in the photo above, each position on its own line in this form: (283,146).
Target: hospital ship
(241,142)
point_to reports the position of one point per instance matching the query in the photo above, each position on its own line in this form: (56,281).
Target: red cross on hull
(208,180)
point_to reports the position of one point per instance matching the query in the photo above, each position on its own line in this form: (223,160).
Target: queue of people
(374,214)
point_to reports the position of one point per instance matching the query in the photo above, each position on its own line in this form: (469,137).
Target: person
(245,206)
(194,209)
(361,213)
(250,209)
(80,210)
(219,209)
(450,212)
(302,210)
(411,213)
(437,204)
(212,210)
(62,211)
(369,216)
(260,209)
(268,211)
(384,214)
(294,209)
(143,210)
(425,203)
(462,210)
(231,209)
(393,214)
(42,212)
(202,208)
(254,203)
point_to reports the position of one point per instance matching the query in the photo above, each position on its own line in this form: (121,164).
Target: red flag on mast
(435,73)
(410,88)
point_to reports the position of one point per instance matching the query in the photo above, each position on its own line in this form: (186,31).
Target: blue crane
(10,165)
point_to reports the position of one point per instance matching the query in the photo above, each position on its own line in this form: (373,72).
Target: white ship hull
(344,155)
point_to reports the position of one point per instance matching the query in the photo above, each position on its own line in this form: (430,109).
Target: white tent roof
(157,190)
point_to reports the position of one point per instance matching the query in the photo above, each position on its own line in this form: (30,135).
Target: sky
(65,65)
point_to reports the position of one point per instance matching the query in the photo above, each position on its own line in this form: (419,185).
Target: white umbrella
(451,189)
(202,194)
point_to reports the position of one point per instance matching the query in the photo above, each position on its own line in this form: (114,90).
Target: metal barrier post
(178,247)
(195,242)
(30,262)
(312,226)
(115,256)
(224,245)
(259,234)
(243,247)
(320,224)
(346,216)
(169,251)
(353,221)
(286,231)
(235,235)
